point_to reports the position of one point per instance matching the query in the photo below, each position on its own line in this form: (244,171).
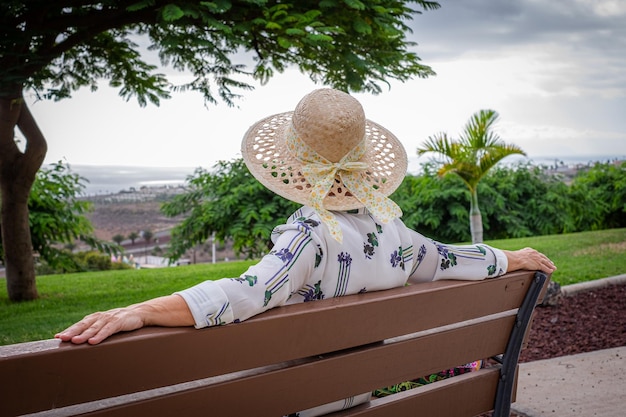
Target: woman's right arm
(167,311)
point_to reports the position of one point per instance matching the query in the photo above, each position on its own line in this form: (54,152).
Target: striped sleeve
(263,286)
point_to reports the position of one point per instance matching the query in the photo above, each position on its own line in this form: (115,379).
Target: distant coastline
(111,179)
(571,161)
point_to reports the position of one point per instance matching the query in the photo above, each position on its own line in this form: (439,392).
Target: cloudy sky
(554,70)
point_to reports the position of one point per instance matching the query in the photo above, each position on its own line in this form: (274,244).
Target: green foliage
(133,236)
(57,216)
(147,236)
(602,189)
(95,261)
(56,212)
(81,262)
(477,150)
(118,239)
(58,47)
(517,201)
(523,201)
(434,206)
(229,202)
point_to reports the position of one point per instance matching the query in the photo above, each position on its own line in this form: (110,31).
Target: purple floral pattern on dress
(448,259)
(284,254)
(312,293)
(397,259)
(343,275)
(344,258)
(421,254)
(307,223)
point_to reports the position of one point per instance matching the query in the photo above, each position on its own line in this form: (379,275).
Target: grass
(579,257)
(64,299)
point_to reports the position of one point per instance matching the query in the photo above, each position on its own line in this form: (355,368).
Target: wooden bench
(293,358)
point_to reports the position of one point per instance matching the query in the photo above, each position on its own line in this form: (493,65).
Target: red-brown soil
(583,322)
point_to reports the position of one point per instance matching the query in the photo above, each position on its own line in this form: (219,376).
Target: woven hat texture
(332,123)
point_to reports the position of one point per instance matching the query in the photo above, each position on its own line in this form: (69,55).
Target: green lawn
(579,257)
(65,299)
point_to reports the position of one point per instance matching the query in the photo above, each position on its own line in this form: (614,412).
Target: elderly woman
(347,238)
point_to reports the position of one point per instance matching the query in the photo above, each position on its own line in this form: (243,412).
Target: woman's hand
(168,311)
(96,327)
(530,259)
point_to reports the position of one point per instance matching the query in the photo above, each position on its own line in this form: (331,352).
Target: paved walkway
(584,385)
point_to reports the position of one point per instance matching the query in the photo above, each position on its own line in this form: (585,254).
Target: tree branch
(101,20)
(87,31)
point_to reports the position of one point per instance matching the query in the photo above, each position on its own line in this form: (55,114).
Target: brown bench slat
(461,396)
(141,360)
(362,370)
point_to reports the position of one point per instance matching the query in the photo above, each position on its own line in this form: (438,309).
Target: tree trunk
(476,219)
(17,174)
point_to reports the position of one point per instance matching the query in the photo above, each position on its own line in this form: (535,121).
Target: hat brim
(266,155)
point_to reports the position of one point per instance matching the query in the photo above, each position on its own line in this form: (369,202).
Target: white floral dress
(306,264)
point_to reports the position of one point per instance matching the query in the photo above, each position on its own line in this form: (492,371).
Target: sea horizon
(111,179)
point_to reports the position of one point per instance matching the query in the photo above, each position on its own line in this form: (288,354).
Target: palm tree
(470,157)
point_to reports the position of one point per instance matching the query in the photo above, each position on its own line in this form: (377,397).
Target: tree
(56,47)
(602,188)
(133,236)
(229,202)
(476,151)
(147,236)
(57,216)
(118,239)
(433,206)
(525,200)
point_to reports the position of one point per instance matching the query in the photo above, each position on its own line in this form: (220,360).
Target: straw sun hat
(327,155)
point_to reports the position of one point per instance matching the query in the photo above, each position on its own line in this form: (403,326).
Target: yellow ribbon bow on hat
(321,173)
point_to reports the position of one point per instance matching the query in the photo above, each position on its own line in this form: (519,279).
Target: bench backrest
(290,358)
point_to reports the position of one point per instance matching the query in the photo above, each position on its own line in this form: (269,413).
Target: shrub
(95,261)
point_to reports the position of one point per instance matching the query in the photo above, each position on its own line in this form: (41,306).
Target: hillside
(131,211)
(124,218)
(137,210)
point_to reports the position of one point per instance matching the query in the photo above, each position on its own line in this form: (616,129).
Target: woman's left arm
(437,261)
(530,259)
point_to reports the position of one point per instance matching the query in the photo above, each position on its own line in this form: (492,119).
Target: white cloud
(605,8)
